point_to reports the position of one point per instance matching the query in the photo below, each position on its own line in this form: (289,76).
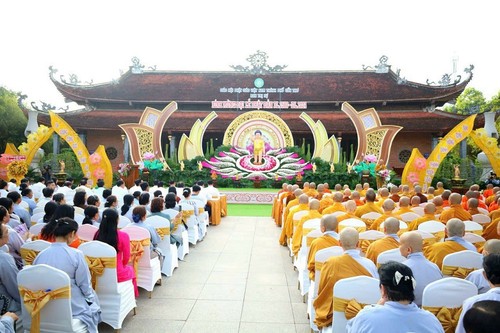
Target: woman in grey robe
(84,301)
(9,293)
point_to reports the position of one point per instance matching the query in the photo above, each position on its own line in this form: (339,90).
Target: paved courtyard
(239,279)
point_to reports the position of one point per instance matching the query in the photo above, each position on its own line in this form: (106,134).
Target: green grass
(249,210)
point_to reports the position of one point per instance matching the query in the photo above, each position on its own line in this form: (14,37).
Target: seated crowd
(61,210)
(407,233)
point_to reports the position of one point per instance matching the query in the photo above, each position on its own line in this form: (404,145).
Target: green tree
(12,120)
(469,102)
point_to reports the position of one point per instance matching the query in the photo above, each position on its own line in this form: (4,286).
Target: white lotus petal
(280,156)
(256,174)
(242,151)
(289,160)
(233,155)
(228,159)
(221,164)
(274,151)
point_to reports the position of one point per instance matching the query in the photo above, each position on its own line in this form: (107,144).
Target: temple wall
(107,139)
(408,141)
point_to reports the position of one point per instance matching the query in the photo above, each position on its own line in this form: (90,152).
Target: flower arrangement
(124,169)
(148,156)
(213,175)
(17,169)
(370,158)
(385,174)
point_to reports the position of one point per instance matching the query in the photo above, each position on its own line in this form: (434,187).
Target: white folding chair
(473,227)
(433,227)
(56,315)
(116,299)
(447,293)
(418,210)
(359,225)
(408,217)
(368,237)
(475,239)
(427,238)
(79,218)
(370,217)
(390,255)
(365,290)
(483,211)
(301,262)
(148,270)
(36,229)
(123,221)
(460,264)
(192,222)
(403,226)
(36,217)
(319,259)
(295,220)
(338,213)
(481,219)
(38,210)
(29,250)
(162,226)
(86,232)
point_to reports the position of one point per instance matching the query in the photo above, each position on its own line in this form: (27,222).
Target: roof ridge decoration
(446,78)
(259,66)
(382,66)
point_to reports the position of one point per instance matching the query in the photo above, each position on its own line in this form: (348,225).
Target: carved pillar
(172,145)
(126,151)
(55,148)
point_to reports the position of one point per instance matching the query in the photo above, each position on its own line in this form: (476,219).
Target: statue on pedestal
(62,166)
(456,171)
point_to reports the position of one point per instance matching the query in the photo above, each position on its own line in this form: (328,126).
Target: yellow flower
(42,130)
(491,142)
(32,137)
(481,132)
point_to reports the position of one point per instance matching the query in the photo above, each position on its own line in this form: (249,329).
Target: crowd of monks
(425,258)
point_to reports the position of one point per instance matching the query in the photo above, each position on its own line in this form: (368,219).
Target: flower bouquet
(384,174)
(124,169)
(17,170)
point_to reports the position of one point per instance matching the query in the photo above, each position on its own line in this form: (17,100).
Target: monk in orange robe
(445,196)
(301,204)
(312,192)
(389,242)
(321,191)
(337,205)
(330,238)
(284,199)
(369,206)
(455,230)
(383,194)
(350,264)
(488,191)
(494,206)
(388,208)
(491,230)
(438,202)
(327,188)
(456,210)
(394,194)
(356,197)
(350,207)
(277,205)
(404,206)
(325,202)
(472,206)
(429,215)
(297,234)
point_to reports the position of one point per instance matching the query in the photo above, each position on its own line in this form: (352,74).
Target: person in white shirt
(477,277)
(211,190)
(136,187)
(491,266)
(83,187)
(11,185)
(47,196)
(99,189)
(38,187)
(27,197)
(68,192)
(119,190)
(3,188)
(395,312)
(423,270)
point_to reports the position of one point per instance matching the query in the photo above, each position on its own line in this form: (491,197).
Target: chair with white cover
(473,227)
(29,250)
(433,227)
(116,299)
(359,225)
(390,255)
(79,218)
(403,226)
(427,237)
(55,315)
(162,226)
(408,217)
(483,210)
(338,213)
(191,221)
(301,263)
(36,217)
(370,217)
(448,293)
(475,239)
(183,249)
(368,237)
(319,259)
(481,219)
(363,290)
(148,271)
(460,264)
(86,232)
(123,221)
(418,210)
(36,230)
(38,210)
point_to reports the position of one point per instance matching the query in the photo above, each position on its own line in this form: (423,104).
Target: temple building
(414,106)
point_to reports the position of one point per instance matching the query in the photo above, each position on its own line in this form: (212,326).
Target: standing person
(395,312)
(258,147)
(84,302)
(108,233)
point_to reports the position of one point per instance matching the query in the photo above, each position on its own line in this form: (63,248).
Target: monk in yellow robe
(350,264)
(369,206)
(277,205)
(336,206)
(312,192)
(383,194)
(388,208)
(330,238)
(429,215)
(350,207)
(438,202)
(488,191)
(439,189)
(297,234)
(456,210)
(491,230)
(284,199)
(389,242)
(365,188)
(321,191)
(431,193)
(325,202)
(258,147)
(287,230)
(472,205)
(356,197)
(405,191)
(394,194)
(404,206)
(492,198)
(455,230)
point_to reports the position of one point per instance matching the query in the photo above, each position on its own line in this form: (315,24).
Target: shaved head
(473,203)
(446,194)
(355,195)
(370,195)
(298,192)
(411,242)
(388,205)
(329,222)
(350,206)
(314,204)
(418,189)
(338,196)
(404,202)
(349,238)
(455,227)
(491,246)
(391,225)
(415,201)
(303,199)
(430,208)
(384,192)
(437,201)
(455,198)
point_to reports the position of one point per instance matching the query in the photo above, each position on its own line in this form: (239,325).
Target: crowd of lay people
(99,206)
(402,282)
